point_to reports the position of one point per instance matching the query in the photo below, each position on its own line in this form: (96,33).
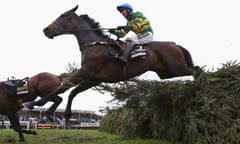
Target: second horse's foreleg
(57,100)
(60,89)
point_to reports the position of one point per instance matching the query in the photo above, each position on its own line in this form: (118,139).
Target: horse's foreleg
(57,100)
(68,111)
(29,132)
(60,89)
(84,85)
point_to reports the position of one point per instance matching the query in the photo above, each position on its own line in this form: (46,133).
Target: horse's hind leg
(172,71)
(188,59)
(13,118)
(29,132)
(57,100)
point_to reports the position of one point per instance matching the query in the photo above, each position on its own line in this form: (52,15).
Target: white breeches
(142,38)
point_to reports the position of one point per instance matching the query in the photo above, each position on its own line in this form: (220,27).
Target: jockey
(138,29)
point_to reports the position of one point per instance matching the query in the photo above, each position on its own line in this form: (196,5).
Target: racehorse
(98,64)
(38,85)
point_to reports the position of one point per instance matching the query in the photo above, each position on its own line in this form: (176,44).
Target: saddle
(117,49)
(14,87)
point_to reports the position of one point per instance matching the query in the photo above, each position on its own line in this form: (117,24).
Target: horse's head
(86,29)
(64,24)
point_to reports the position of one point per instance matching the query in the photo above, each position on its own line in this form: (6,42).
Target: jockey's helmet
(121,7)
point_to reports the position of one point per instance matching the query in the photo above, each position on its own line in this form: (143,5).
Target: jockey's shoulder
(137,14)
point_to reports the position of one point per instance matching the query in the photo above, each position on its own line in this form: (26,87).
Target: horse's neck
(87,37)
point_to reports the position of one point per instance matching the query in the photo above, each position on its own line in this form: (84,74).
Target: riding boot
(126,51)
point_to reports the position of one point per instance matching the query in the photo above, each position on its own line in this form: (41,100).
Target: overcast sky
(209,29)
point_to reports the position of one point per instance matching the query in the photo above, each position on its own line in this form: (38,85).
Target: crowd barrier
(36,125)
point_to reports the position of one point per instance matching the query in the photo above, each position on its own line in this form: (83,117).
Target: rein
(95,29)
(95,43)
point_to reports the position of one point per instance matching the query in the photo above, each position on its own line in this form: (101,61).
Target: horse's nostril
(45,30)
(47,33)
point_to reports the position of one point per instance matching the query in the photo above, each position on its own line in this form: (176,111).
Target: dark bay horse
(38,85)
(165,58)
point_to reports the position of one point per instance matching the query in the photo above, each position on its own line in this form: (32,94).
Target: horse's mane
(96,26)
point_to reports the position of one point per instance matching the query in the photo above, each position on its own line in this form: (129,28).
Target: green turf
(72,137)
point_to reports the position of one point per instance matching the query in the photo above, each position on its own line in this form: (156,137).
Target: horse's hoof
(34,133)
(50,118)
(22,140)
(196,68)
(12,140)
(28,106)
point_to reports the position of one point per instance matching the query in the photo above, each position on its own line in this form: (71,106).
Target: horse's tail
(188,58)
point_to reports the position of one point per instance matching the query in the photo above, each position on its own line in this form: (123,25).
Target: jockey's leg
(126,51)
(145,37)
(131,39)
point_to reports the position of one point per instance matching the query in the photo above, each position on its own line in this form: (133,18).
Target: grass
(72,137)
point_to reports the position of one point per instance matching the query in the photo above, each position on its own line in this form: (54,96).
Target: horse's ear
(74,9)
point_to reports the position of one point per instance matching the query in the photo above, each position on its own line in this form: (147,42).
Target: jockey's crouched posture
(137,31)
